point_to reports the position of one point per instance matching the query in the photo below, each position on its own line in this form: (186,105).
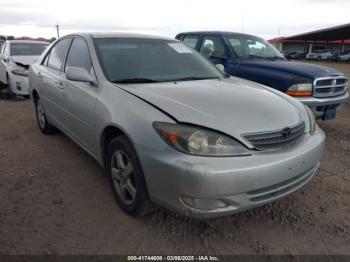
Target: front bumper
(241,182)
(19,84)
(319,105)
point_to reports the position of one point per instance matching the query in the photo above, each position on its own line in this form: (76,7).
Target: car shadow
(5,94)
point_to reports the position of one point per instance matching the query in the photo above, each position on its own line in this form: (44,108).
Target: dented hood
(24,60)
(232,106)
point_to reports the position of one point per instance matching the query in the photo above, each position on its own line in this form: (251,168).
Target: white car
(319,55)
(15,58)
(344,56)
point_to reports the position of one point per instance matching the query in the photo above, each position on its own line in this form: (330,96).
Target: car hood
(24,60)
(232,106)
(300,69)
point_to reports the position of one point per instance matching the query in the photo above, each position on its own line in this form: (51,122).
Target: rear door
(52,81)
(80,97)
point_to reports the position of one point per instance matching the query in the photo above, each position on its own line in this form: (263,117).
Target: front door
(80,97)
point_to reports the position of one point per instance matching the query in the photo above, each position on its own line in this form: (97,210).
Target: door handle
(60,84)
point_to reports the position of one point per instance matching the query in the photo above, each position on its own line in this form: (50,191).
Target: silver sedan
(170,128)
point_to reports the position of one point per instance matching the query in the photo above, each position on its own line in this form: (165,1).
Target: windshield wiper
(266,57)
(256,56)
(134,80)
(189,78)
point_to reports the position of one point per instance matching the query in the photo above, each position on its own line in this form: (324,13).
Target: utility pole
(58,30)
(242,22)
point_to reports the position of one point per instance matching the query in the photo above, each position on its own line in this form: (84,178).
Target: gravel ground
(54,199)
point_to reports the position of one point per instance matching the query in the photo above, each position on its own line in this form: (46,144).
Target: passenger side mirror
(2,56)
(79,74)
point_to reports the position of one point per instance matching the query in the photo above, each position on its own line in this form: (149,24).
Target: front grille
(282,188)
(341,81)
(324,82)
(331,86)
(276,139)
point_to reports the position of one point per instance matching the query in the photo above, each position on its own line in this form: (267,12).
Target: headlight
(199,141)
(17,70)
(312,120)
(301,89)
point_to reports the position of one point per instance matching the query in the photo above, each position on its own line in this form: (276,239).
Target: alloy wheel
(123,177)
(41,115)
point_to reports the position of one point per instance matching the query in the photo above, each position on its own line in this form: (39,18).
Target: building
(334,39)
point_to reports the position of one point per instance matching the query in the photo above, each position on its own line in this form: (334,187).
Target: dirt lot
(54,199)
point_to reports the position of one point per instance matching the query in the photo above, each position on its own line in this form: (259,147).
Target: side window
(46,59)
(78,55)
(191,40)
(7,50)
(212,45)
(58,53)
(3,48)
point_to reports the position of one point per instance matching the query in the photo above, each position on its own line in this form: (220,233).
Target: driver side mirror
(79,74)
(2,56)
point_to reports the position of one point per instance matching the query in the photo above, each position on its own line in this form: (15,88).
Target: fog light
(203,203)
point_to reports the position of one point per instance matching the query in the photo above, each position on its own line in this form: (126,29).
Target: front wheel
(126,177)
(43,124)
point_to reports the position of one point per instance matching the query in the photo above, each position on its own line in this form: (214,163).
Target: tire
(44,126)
(126,178)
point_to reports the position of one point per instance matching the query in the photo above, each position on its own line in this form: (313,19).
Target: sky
(265,18)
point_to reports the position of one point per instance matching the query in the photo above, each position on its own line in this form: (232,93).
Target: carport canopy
(341,32)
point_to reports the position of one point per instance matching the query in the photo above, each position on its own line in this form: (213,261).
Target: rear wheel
(127,178)
(43,124)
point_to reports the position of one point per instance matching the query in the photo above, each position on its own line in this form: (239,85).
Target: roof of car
(26,42)
(215,33)
(121,35)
